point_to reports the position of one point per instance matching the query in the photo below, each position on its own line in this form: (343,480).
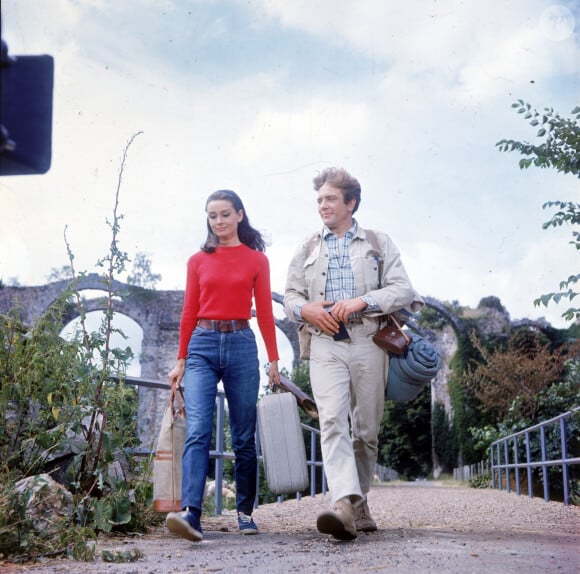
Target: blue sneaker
(246,524)
(185,524)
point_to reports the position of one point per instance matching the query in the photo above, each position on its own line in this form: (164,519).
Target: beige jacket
(306,280)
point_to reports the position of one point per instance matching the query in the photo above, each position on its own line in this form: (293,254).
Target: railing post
(528,466)
(312,463)
(517,468)
(507,461)
(544,467)
(499,466)
(564,458)
(219,460)
(492,466)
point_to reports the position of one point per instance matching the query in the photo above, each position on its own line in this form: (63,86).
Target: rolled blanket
(410,372)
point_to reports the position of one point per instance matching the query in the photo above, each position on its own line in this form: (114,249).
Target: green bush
(59,407)
(480,481)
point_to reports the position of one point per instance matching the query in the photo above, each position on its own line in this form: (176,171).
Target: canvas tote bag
(168,454)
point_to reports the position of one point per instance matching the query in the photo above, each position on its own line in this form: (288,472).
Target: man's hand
(342,310)
(316,314)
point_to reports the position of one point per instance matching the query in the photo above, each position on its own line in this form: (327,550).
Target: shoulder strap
(373,239)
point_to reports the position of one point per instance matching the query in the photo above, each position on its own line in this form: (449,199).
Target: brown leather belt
(224,326)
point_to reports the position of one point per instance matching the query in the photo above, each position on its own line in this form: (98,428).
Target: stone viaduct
(158,314)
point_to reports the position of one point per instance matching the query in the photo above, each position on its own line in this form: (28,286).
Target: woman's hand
(273,375)
(175,376)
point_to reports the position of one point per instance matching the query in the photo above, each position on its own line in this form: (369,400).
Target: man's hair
(340,178)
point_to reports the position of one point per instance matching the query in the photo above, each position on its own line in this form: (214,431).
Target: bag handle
(407,338)
(304,401)
(176,399)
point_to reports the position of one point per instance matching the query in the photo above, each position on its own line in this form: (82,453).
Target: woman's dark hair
(340,178)
(247,234)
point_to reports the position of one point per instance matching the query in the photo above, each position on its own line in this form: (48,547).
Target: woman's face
(223,220)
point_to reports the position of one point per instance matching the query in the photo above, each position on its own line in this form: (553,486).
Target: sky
(260,95)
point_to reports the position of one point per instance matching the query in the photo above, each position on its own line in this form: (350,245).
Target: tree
(513,380)
(60,274)
(142,276)
(405,436)
(560,150)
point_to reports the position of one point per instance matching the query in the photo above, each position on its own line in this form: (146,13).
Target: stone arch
(131,330)
(158,314)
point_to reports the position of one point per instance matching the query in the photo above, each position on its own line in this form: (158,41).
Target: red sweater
(220,286)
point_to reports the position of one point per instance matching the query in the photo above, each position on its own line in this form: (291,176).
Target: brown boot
(338,522)
(363,519)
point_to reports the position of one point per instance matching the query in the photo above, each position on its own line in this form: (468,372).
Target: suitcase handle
(306,403)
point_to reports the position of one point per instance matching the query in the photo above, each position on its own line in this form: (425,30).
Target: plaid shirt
(340,278)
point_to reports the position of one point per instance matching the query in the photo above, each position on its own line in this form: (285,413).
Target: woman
(216,343)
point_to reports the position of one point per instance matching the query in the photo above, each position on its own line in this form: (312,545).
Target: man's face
(335,213)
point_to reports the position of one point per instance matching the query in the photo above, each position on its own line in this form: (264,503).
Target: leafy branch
(561,151)
(562,140)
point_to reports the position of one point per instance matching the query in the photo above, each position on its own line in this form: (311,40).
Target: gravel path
(423,527)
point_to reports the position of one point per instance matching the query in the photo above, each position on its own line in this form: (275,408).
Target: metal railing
(505,459)
(470,471)
(220,455)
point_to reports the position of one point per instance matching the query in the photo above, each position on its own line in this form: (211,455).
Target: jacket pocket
(371,268)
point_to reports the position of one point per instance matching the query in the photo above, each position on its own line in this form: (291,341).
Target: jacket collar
(355,230)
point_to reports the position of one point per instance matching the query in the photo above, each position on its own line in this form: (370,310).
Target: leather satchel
(391,338)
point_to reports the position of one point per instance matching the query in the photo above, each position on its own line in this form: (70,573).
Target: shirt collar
(350,233)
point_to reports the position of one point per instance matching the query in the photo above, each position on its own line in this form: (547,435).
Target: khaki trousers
(348,382)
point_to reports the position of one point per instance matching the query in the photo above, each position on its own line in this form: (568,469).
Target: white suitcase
(282,444)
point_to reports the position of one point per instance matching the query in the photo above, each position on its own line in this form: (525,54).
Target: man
(340,283)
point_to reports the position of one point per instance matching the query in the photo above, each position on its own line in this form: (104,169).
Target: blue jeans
(233,359)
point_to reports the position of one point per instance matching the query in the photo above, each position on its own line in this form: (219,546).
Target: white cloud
(453,273)
(290,136)
(418,127)
(479,49)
